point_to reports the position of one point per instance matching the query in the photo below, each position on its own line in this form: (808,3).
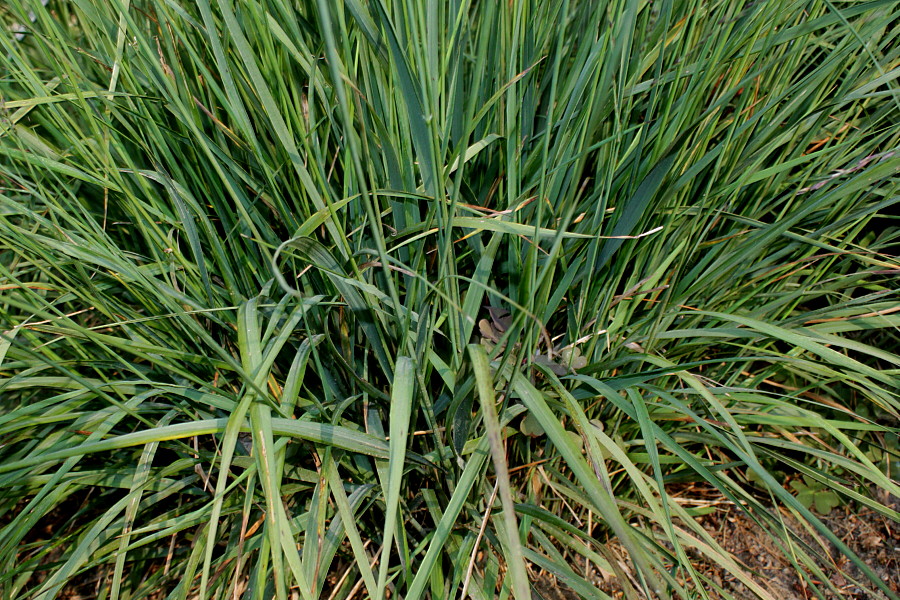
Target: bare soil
(873,537)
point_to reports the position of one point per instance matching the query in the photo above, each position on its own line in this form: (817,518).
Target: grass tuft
(431,300)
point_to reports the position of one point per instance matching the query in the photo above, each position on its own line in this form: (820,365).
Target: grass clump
(419,300)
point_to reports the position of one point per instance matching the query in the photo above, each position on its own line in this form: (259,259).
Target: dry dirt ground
(873,537)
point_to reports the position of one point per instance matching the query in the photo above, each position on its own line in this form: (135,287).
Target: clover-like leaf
(571,357)
(825,501)
(530,426)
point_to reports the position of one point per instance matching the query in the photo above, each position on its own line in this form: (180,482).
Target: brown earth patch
(873,537)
